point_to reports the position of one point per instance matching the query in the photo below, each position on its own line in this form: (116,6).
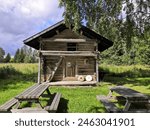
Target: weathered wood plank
(130,93)
(27,91)
(36,92)
(29,110)
(70,40)
(68,53)
(39,69)
(110,106)
(8,105)
(54,105)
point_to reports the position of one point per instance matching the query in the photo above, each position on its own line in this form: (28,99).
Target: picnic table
(131,96)
(128,95)
(32,95)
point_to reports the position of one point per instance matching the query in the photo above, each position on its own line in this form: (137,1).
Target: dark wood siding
(86,66)
(82,65)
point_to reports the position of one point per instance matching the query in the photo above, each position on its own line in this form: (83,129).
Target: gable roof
(33,41)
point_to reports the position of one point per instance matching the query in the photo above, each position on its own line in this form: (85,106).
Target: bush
(7,71)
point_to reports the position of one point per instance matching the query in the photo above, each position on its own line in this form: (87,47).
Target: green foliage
(2,53)
(7,58)
(144,54)
(7,71)
(124,22)
(16,57)
(25,55)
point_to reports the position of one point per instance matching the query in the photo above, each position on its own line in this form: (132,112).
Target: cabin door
(70,67)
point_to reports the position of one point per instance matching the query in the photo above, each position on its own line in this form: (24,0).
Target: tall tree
(2,53)
(7,58)
(129,17)
(118,20)
(16,57)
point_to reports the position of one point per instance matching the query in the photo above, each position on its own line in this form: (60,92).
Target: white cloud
(22,18)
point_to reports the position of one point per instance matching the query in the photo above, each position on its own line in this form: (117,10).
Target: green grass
(126,71)
(24,68)
(79,99)
(14,78)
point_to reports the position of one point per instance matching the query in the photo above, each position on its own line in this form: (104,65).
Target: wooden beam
(69,53)
(97,64)
(44,68)
(66,40)
(39,69)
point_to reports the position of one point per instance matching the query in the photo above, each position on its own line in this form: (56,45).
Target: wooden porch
(73,83)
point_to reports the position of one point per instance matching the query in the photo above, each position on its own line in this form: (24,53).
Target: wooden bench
(8,105)
(110,106)
(54,105)
(29,110)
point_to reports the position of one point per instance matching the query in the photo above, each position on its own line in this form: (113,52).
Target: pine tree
(2,53)
(7,58)
(16,57)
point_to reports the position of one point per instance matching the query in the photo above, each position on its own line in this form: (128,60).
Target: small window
(71,47)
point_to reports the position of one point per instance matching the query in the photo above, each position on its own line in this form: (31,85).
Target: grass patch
(79,99)
(15,78)
(126,71)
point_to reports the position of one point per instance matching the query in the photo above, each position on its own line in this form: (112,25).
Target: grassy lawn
(79,99)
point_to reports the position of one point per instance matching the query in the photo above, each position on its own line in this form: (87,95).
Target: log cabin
(67,57)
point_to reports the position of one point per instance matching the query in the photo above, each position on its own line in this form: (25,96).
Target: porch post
(97,64)
(39,69)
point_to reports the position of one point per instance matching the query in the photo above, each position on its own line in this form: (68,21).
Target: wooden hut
(66,56)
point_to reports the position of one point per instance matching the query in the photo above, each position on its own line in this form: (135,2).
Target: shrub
(7,71)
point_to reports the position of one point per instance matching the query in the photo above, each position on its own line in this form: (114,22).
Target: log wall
(83,65)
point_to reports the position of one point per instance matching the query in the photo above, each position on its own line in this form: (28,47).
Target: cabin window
(71,46)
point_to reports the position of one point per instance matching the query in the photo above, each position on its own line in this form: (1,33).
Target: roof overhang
(34,41)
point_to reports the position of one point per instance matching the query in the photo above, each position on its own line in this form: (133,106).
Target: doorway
(70,67)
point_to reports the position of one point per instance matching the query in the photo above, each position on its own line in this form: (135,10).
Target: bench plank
(33,92)
(30,89)
(39,91)
(54,105)
(29,110)
(110,106)
(8,105)
(30,93)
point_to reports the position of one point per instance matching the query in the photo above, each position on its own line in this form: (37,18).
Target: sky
(20,19)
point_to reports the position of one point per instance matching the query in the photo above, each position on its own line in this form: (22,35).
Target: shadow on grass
(95,109)
(134,73)
(124,80)
(10,77)
(63,106)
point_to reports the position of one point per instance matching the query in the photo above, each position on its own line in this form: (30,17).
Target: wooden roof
(33,41)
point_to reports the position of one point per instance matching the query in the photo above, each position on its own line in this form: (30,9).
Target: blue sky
(23,18)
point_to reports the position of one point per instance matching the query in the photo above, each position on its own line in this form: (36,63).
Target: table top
(128,93)
(35,93)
